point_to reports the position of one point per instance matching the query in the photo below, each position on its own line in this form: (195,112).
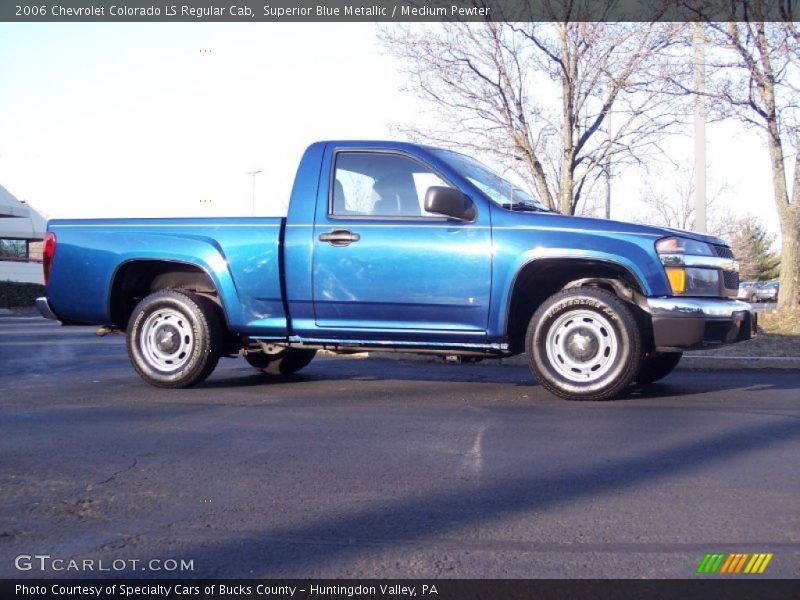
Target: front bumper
(698,323)
(43,304)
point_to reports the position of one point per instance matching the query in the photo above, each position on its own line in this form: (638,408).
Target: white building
(22,230)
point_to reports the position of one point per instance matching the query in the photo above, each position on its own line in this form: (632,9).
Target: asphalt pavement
(379,468)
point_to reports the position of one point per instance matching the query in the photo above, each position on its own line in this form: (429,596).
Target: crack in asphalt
(120,472)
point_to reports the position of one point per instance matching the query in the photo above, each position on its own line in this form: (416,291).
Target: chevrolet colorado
(399,247)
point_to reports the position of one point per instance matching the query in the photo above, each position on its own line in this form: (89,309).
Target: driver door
(381,263)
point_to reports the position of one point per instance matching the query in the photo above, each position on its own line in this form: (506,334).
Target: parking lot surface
(379,468)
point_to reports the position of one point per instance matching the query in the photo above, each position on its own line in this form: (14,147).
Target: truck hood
(611,226)
(694,235)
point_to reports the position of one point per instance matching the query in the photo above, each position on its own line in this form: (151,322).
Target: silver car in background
(768,291)
(747,291)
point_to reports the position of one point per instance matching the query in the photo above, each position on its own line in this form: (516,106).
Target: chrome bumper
(43,304)
(716,308)
(697,323)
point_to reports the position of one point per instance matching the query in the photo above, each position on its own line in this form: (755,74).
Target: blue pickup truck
(399,247)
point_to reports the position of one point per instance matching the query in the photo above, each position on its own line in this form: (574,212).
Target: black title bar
(384,589)
(396,10)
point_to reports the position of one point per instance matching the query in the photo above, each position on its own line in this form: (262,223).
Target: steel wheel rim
(167,340)
(582,346)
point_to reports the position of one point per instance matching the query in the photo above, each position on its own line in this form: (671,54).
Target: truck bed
(241,255)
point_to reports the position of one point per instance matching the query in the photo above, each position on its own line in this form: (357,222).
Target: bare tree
(674,206)
(754,73)
(674,210)
(555,102)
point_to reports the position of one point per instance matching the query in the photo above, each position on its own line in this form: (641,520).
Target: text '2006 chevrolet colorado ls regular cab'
(399,247)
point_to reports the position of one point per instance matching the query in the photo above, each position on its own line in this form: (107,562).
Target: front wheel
(174,339)
(285,362)
(584,344)
(657,366)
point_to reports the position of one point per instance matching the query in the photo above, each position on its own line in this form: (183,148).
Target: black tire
(190,344)
(595,343)
(657,366)
(286,362)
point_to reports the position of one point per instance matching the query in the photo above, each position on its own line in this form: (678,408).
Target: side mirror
(449,202)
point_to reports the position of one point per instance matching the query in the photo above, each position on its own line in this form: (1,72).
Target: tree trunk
(536,170)
(789,216)
(567,187)
(789,294)
(788,212)
(568,124)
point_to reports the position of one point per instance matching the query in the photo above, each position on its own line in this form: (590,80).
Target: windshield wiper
(522,206)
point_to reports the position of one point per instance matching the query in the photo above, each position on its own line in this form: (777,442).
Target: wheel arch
(136,278)
(539,278)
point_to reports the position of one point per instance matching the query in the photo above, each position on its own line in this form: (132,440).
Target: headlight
(679,245)
(692,267)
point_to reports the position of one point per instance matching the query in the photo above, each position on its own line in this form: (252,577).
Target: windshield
(498,189)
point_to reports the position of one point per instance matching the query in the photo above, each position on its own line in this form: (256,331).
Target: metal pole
(700,223)
(607,171)
(253,202)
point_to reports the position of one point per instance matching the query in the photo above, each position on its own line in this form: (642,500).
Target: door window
(381,185)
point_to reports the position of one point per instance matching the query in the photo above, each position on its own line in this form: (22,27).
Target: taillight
(48,254)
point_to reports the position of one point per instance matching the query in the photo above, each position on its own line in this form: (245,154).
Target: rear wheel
(285,362)
(174,339)
(657,366)
(584,344)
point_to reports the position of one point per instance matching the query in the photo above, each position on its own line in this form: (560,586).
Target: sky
(156,120)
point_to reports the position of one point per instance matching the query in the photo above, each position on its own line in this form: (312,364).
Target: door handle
(339,237)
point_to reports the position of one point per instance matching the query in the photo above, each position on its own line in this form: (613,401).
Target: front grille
(723,251)
(730,279)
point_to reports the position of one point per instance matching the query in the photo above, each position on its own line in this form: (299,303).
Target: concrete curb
(21,312)
(689,361)
(698,361)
